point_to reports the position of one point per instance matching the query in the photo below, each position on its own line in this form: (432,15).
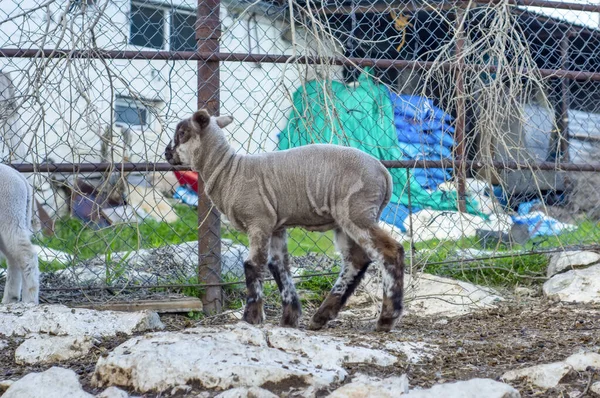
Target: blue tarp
(538,223)
(424,133)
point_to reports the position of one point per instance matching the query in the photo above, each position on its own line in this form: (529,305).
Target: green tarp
(361,117)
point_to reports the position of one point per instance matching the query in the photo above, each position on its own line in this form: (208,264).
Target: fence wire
(506,94)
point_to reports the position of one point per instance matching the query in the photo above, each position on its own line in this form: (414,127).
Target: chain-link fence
(485,112)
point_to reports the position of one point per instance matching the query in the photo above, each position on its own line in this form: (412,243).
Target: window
(149,24)
(183,33)
(147,28)
(131,113)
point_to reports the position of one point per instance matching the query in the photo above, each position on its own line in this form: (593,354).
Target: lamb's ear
(202,118)
(223,121)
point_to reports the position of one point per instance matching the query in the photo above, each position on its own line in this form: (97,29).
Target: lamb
(318,187)
(16,210)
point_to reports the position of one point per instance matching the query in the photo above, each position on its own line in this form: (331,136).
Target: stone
(326,351)
(595,388)
(53,383)
(576,286)
(22,319)
(428,295)
(161,265)
(566,261)
(244,392)
(363,386)
(580,361)
(40,349)
(113,392)
(467,389)
(414,351)
(525,292)
(3,344)
(231,356)
(49,255)
(544,376)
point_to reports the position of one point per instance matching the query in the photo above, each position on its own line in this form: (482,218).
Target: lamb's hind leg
(354,265)
(254,268)
(392,254)
(280,269)
(23,271)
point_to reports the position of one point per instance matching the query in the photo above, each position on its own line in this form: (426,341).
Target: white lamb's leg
(22,272)
(12,287)
(31,274)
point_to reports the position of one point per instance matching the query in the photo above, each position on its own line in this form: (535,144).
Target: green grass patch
(74,237)
(84,242)
(315,288)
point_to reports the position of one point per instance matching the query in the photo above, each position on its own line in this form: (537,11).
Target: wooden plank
(161,306)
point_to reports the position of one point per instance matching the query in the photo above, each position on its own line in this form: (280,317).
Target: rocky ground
(457,340)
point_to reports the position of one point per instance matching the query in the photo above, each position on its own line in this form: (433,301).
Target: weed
(195,315)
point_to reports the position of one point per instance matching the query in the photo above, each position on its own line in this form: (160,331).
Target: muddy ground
(518,333)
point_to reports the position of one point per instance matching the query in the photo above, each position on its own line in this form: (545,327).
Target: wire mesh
(505,94)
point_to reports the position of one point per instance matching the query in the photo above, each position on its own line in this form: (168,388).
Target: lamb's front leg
(280,269)
(14,278)
(254,268)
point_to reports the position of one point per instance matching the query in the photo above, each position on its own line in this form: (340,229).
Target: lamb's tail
(389,188)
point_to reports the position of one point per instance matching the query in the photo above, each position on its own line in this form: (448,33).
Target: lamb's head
(194,134)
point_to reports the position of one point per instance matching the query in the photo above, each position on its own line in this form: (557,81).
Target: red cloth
(187,178)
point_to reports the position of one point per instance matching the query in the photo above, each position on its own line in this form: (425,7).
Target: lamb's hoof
(291,314)
(10,300)
(290,319)
(253,314)
(385,325)
(316,325)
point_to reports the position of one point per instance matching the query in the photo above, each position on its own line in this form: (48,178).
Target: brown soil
(486,344)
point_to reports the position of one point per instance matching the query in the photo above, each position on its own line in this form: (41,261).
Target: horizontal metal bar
(94,167)
(401,6)
(498,165)
(391,164)
(557,5)
(279,59)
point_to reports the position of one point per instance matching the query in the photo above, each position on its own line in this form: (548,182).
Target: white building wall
(66,103)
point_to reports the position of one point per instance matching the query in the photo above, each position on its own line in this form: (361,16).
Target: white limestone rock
(576,286)
(363,386)
(473,388)
(430,295)
(113,392)
(53,383)
(565,261)
(231,356)
(247,392)
(23,319)
(544,376)
(40,349)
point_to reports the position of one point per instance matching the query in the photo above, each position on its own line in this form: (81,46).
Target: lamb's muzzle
(318,187)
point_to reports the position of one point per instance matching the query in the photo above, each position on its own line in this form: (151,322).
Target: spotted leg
(280,269)
(355,263)
(254,268)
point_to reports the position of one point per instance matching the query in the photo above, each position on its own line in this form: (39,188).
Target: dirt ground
(485,344)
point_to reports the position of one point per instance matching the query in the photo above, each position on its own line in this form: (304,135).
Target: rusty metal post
(208,32)
(565,91)
(460,111)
